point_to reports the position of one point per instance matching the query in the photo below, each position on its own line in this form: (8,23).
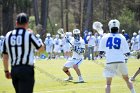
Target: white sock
(133,90)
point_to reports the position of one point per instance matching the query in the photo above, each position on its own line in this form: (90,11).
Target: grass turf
(49,78)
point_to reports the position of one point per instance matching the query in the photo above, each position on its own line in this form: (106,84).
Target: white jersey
(134,43)
(57,44)
(78,44)
(91,41)
(1,45)
(97,41)
(114,46)
(65,44)
(49,44)
(138,40)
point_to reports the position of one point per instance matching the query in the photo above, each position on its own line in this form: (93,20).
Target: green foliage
(32,23)
(128,22)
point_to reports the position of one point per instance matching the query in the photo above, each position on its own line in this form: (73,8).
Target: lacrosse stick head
(98,27)
(61,31)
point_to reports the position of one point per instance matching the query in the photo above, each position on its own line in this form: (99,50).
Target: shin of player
(77,56)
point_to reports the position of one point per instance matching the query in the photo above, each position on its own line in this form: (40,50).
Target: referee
(19,46)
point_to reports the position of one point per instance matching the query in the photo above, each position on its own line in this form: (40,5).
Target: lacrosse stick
(61,32)
(98,27)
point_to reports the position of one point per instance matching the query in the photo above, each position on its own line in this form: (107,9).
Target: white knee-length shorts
(114,69)
(73,61)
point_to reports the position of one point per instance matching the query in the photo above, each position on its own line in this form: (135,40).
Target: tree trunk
(62,15)
(106,12)
(67,16)
(7,16)
(137,10)
(89,16)
(0,19)
(44,16)
(84,14)
(77,12)
(36,14)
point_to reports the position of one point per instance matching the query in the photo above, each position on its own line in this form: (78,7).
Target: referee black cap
(22,18)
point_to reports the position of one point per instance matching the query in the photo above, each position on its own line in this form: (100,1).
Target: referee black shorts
(23,78)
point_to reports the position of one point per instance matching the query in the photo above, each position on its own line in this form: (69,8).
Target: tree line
(50,15)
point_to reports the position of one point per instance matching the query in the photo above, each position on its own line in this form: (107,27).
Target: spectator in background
(127,37)
(86,43)
(134,42)
(96,52)
(91,44)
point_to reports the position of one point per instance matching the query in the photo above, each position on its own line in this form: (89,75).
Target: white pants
(49,49)
(111,70)
(72,62)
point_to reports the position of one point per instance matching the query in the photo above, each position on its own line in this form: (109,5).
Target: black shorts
(23,79)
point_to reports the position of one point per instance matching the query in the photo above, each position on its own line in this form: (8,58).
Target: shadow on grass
(75,82)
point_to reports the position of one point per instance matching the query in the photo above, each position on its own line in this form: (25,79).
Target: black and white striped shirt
(20,45)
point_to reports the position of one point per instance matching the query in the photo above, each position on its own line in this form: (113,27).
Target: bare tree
(44,16)
(106,12)
(137,10)
(7,15)
(76,6)
(88,15)
(35,8)
(67,15)
(62,14)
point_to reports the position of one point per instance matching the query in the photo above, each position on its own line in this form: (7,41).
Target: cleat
(81,80)
(68,79)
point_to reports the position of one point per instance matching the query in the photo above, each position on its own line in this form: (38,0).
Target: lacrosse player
(1,44)
(37,54)
(115,47)
(57,46)
(49,45)
(77,56)
(138,39)
(134,42)
(66,45)
(138,56)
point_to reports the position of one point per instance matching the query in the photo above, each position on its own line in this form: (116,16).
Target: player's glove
(7,74)
(127,54)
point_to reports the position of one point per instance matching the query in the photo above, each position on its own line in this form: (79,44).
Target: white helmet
(67,33)
(37,35)
(57,36)
(113,23)
(2,37)
(70,33)
(48,34)
(62,35)
(76,31)
(89,33)
(134,34)
(139,32)
(76,34)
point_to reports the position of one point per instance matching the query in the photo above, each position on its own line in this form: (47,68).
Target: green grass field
(49,78)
